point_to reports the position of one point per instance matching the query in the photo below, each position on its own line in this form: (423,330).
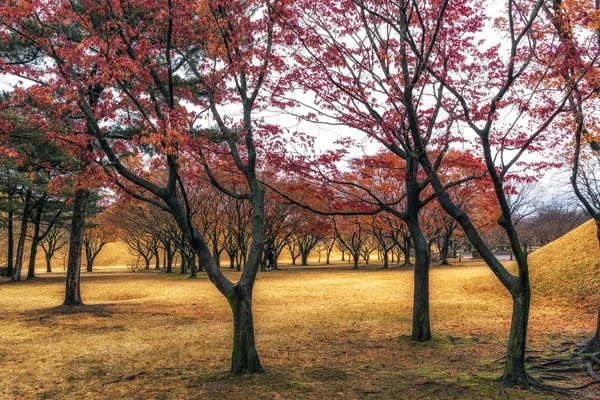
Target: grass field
(322,333)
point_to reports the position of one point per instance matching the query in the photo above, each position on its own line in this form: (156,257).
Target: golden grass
(568,269)
(327,333)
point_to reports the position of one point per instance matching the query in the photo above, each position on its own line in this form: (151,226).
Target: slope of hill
(569,268)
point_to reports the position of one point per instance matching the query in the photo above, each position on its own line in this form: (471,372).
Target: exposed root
(562,369)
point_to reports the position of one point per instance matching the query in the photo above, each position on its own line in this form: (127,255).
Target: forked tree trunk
(73,292)
(355,257)
(244,357)
(593,346)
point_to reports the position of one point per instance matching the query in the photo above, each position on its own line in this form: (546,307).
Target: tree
(414,83)
(55,240)
(209,54)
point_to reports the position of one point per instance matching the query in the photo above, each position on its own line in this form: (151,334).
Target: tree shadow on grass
(93,310)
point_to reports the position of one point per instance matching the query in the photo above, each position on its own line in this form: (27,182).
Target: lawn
(322,333)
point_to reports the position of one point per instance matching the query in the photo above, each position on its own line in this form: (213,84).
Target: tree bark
(73,292)
(192,266)
(157,259)
(35,240)
(593,346)
(445,250)
(10,255)
(16,276)
(49,262)
(386,259)
(515,373)
(304,258)
(406,251)
(421,327)
(244,357)
(355,260)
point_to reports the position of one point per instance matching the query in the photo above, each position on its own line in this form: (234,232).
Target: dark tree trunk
(355,260)
(304,258)
(386,258)
(169,261)
(10,255)
(35,240)
(192,266)
(147,260)
(244,357)
(16,276)
(515,373)
(183,263)
(231,261)
(90,263)
(216,253)
(406,251)
(157,259)
(72,292)
(421,329)
(343,255)
(593,346)
(32,257)
(445,250)
(49,262)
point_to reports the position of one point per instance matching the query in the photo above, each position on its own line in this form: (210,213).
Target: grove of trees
(150,123)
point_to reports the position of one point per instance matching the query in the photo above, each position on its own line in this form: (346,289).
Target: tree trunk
(33,255)
(304,258)
(406,251)
(216,253)
(157,258)
(421,329)
(11,239)
(72,292)
(231,261)
(16,276)
(445,250)
(183,263)
(514,370)
(386,258)
(355,261)
(192,266)
(244,357)
(90,263)
(49,262)
(593,346)
(169,261)
(343,254)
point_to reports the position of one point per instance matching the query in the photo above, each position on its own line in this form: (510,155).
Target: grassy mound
(569,268)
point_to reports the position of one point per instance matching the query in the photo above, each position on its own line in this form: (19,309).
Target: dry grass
(566,271)
(322,334)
